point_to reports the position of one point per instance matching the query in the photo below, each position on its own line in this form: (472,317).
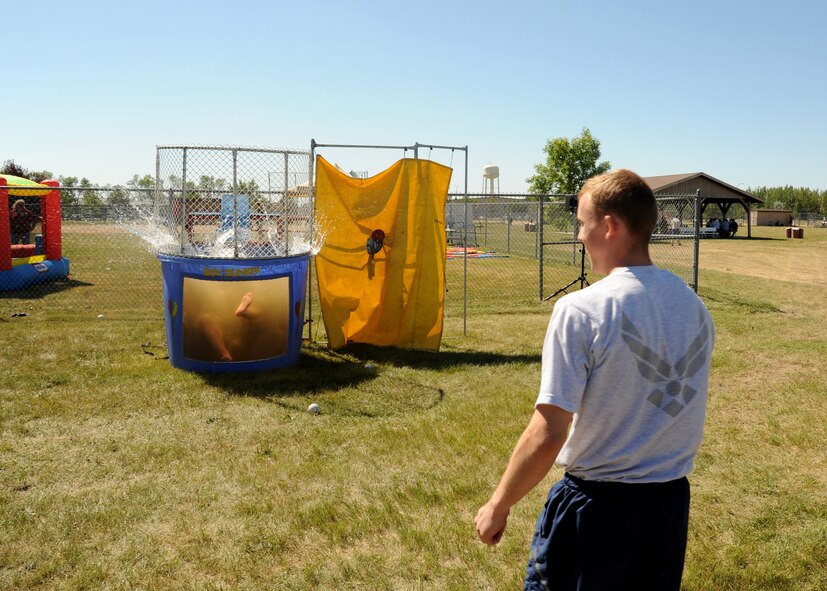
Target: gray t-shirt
(629,356)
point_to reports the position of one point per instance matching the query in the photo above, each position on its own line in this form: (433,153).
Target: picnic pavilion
(713,192)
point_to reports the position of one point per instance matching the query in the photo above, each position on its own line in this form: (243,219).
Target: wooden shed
(771,217)
(713,192)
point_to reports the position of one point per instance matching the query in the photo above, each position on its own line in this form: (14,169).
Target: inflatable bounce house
(22,265)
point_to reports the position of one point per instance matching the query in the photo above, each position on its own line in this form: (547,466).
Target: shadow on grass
(34,292)
(321,371)
(743,304)
(434,359)
(318,369)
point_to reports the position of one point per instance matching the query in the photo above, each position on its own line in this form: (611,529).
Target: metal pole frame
(697,240)
(157,191)
(415,148)
(540,244)
(311,193)
(235,203)
(232,149)
(184,236)
(284,210)
(539,239)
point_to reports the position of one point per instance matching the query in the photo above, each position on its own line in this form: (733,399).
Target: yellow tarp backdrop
(396,298)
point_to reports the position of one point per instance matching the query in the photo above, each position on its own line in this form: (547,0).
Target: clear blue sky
(734,89)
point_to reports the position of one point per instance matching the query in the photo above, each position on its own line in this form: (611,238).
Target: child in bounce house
(22,221)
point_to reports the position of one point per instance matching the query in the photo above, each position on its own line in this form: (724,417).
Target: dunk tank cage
(236,226)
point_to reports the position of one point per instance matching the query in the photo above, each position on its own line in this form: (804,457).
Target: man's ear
(613,225)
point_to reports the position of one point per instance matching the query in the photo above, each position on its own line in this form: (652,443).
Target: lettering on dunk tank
(233,272)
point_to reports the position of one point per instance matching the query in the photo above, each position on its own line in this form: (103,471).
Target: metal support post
(465,258)
(539,239)
(235,203)
(697,240)
(285,210)
(184,202)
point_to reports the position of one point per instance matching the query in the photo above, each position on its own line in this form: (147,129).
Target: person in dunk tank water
(248,333)
(626,365)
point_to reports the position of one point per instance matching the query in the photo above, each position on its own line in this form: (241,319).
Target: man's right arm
(532,458)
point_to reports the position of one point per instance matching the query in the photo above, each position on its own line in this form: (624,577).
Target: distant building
(771,217)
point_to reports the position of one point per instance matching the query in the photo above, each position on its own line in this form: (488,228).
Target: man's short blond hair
(624,194)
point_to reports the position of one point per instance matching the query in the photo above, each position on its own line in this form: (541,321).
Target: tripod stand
(581,279)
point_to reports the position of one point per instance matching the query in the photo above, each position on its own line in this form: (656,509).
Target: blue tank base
(21,276)
(217,367)
(199,291)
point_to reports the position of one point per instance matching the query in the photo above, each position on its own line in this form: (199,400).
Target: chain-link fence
(811,220)
(564,262)
(506,254)
(91,261)
(674,243)
(513,251)
(493,253)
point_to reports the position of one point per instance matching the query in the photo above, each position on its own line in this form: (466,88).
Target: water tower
(491,179)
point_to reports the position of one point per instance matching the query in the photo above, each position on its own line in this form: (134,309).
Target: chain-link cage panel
(227,202)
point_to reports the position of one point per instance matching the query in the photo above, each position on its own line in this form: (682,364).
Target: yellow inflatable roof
(15,182)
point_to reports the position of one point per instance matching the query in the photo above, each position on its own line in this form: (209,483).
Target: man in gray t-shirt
(626,364)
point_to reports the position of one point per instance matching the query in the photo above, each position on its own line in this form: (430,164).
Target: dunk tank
(237,232)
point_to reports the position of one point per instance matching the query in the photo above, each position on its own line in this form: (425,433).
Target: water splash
(161,238)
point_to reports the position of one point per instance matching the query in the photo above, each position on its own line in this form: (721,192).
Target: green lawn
(119,472)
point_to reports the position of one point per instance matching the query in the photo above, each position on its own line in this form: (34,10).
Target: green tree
(10,167)
(88,196)
(141,184)
(68,196)
(799,199)
(119,196)
(210,184)
(40,175)
(569,163)
(14,169)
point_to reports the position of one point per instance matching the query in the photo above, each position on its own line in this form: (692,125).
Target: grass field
(119,472)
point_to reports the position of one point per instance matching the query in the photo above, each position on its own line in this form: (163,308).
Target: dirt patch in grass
(93,228)
(770,256)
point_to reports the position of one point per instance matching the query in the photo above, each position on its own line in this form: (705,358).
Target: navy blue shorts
(609,535)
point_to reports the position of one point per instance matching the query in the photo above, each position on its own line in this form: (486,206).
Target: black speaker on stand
(571,205)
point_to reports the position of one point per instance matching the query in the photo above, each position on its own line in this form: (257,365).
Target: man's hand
(490,524)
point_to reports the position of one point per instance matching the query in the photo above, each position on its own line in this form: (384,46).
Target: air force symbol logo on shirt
(671,393)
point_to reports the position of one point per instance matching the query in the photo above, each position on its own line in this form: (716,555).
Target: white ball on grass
(314,409)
